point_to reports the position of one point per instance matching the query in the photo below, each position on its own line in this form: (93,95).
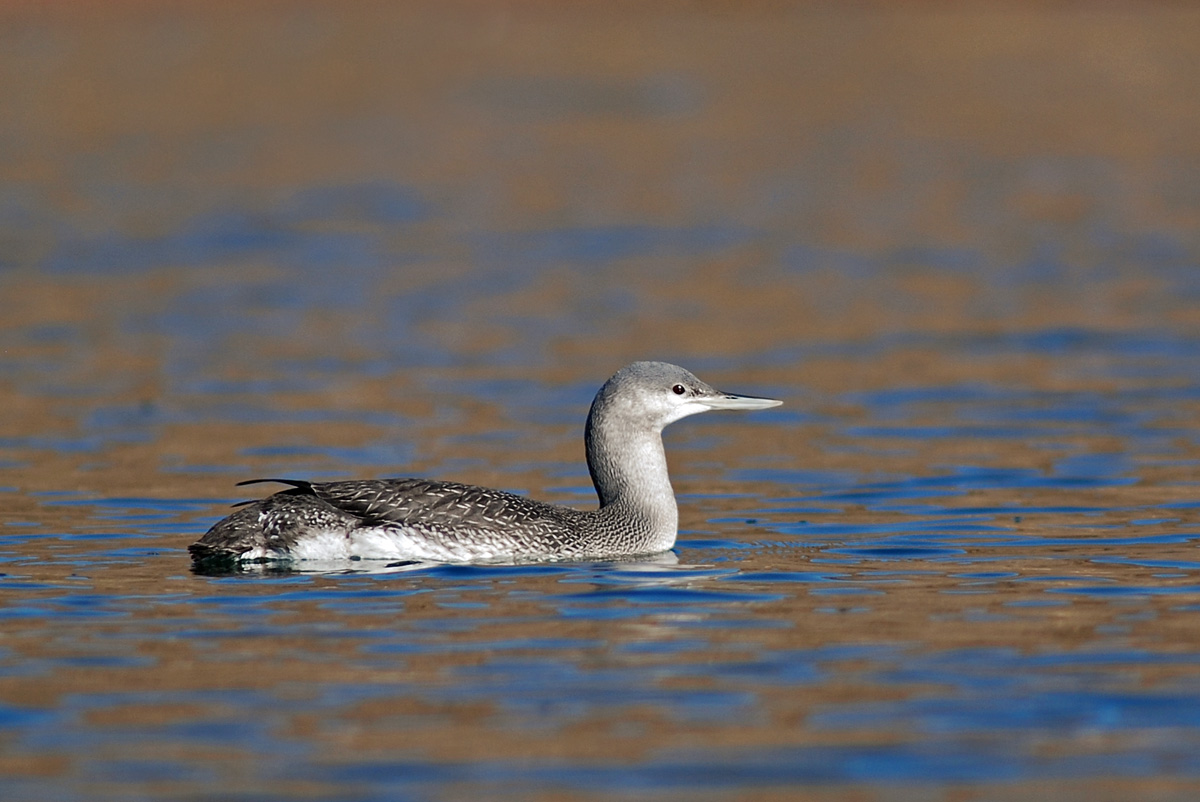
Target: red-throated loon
(425,520)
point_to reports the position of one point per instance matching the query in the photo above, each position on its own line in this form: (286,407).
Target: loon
(422,520)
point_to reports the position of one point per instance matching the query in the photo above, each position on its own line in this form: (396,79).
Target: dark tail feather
(299,484)
(299,488)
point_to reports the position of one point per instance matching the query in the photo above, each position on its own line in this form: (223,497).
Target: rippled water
(959,563)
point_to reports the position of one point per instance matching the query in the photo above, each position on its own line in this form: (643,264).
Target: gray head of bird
(650,395)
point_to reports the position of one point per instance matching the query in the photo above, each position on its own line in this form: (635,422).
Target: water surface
(960,562)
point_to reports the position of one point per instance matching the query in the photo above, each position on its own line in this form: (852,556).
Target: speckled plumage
(420,519)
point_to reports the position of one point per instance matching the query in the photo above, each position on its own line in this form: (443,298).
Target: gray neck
(629,469)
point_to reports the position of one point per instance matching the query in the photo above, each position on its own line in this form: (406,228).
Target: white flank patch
(372,544)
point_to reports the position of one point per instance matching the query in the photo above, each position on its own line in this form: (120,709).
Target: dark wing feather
(445,506)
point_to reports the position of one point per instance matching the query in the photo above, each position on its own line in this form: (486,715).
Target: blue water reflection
(961,561)
(290,232)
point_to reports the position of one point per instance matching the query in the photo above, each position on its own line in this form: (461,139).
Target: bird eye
(679,389)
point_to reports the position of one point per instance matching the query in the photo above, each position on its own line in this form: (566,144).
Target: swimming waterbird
(426,520)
